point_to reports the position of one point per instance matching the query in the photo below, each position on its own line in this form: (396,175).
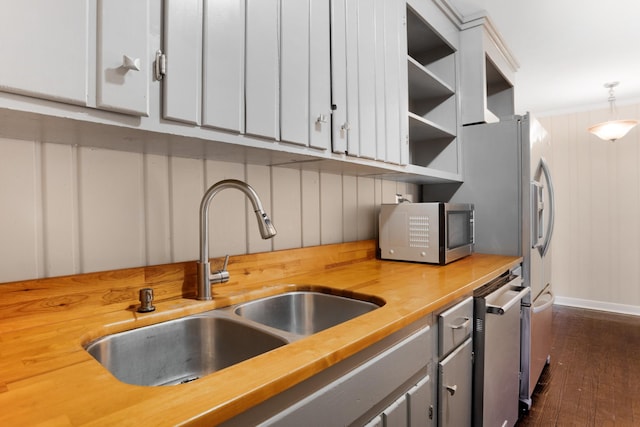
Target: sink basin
(181,350)
(303,312)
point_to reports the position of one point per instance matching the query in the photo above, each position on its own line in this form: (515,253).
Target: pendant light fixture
(613,129)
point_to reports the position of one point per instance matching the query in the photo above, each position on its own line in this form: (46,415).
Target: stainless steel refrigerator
(506,175)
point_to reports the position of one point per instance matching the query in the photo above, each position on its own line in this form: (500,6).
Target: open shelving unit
(487,73)
(432,90)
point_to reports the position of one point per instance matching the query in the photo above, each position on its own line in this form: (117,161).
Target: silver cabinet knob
(130,63)
(345,126)
(452,389)
(322,118)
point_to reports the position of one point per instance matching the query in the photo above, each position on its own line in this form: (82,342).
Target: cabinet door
(395,415)
(320,74)
(395,141)
(224,64)
(367,78)
(294,63)
(361,82)
(421,403)
(124,65)
(45,49)
(183,48)
(454,387)
(262,72)
(305,80)
(339,123)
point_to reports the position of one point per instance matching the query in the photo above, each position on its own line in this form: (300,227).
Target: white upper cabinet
(264,67)
(124,62)
(45,49)
(182,82)
(366,86)
(305,84)
(93,54)
(488,73)
(320,74)
(223,65)
(369,79)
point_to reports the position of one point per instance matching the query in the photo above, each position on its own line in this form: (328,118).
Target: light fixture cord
(612,103)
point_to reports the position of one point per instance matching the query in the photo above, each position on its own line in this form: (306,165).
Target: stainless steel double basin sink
(185,349)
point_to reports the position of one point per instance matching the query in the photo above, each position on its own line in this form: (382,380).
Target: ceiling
(567,50)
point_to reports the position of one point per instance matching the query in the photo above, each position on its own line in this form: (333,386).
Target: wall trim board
(598,305)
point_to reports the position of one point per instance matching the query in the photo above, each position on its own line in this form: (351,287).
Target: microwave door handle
(552,207)
(472,224)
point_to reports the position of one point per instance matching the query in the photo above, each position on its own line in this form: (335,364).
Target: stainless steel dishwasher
(496,340)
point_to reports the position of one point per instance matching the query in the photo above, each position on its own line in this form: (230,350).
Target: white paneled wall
(66,209)
(21,215)
(596,244)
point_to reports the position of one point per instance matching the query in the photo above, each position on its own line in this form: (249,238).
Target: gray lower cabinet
(396,414)
(422,404)
(454,393)
(455,366)
(388,384)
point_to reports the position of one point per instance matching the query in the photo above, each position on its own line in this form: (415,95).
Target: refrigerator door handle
(537,210)
(552,207)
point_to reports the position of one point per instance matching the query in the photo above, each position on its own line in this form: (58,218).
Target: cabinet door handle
(465,322)
(130,63)
(322,118)
(452,389)
(345,126)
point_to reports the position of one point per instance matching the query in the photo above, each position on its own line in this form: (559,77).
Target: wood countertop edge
(205,402)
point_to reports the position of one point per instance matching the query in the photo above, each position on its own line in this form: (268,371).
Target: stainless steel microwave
(437,233)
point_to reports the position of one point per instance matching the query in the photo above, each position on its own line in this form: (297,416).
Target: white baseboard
(598,305)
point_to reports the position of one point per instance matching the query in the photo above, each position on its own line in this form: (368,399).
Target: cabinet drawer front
(349,397)
(455,326)
(454,387)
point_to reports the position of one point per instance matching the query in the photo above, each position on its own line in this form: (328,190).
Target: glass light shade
(612,130)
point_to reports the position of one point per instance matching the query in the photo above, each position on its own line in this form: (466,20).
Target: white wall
(596,245)
(66,209)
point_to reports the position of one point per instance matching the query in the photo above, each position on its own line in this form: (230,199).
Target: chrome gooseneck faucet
(267,230)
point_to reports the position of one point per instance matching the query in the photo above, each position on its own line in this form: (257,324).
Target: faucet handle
(220,276)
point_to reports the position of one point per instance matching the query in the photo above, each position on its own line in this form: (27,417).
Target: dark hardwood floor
(594,375)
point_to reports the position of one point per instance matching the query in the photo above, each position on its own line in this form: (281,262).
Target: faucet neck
(267,230)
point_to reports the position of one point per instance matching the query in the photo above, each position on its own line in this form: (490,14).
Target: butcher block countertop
(47,378)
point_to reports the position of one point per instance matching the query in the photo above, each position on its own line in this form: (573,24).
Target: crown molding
(476,19)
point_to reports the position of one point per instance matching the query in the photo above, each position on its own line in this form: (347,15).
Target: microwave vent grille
(418,231)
